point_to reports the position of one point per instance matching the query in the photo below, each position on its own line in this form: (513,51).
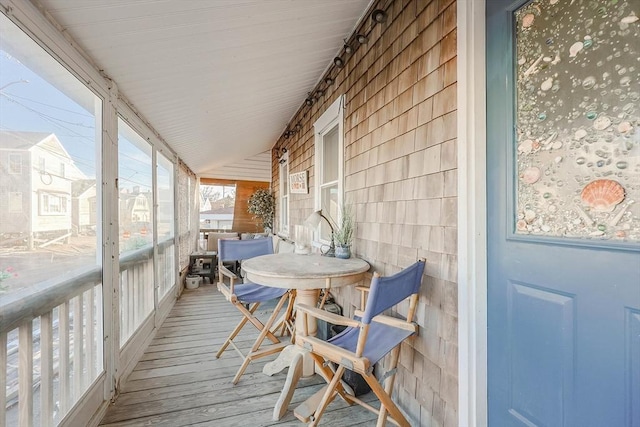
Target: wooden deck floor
(179,382)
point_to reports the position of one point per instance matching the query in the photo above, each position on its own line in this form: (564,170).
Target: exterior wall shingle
(401,179)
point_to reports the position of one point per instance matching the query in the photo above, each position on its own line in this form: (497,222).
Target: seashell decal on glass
(577,144)
(602,195)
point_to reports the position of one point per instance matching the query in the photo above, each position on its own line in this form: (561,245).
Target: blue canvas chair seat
(369,337)
(249,293)
(247,297)
(385,337)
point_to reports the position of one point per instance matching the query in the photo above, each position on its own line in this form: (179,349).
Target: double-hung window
(15,164)
(329,165)
(284,194)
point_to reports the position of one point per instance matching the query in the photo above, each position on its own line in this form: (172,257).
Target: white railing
(136,291)
(137,285)
(51,339)
(166,267)
(51,348)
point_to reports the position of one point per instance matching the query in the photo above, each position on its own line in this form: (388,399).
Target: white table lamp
(313,221)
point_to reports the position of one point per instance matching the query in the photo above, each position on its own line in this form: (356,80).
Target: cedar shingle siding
(401,178)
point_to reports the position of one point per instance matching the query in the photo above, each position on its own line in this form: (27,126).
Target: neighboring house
(136,211)
(218,218)
(36,177)
(83,206)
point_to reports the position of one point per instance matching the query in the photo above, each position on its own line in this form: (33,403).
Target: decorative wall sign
(299,182)
(578,119)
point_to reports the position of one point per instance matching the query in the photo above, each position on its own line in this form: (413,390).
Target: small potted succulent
(343,234)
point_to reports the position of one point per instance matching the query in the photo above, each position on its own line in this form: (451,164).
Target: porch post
(472,248)
(110,242)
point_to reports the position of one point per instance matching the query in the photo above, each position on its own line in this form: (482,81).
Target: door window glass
(577,117)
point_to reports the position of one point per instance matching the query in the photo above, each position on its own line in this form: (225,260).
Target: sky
(30,103)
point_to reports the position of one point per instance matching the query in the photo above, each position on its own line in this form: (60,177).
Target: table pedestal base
(284,360)
(295,357)
(294,374)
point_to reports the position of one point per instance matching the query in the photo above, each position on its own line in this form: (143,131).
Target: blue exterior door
(563,165)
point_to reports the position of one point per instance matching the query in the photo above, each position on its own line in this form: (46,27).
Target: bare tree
(210,192)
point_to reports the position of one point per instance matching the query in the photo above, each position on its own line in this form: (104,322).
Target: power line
(50,106)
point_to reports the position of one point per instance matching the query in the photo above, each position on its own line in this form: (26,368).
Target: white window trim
(15,158)
(49,199)
(283,168)
(14,208)
(333,115)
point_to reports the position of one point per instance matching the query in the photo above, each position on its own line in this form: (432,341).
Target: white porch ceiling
(218,79)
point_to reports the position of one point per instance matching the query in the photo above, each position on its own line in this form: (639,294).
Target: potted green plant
(262,204)
(343,234)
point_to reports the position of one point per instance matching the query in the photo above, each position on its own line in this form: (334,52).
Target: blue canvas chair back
(385,292)
(235,250)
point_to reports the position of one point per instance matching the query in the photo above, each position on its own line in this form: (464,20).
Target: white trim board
(472,208)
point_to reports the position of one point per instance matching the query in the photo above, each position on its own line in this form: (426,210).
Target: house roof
(21,140)
(79,186)
(219,211)
(13,140)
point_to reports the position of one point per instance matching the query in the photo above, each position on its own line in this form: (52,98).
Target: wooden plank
(173,340)
(338,416)
(90,344)
(78,348)
(25,374)
(3,376)
(99,333)
(65,386)
(242,404)
(178,382)
(250,407)
(57,239)
(183,369)
(201,359)
(195,330)
(306,409)
(206,348)
(200,385)
(226,394)
(46,369)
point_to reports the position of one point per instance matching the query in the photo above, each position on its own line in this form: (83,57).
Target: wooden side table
(204,264)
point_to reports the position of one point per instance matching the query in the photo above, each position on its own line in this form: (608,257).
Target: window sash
(15,202)
(53,204)
(15,164)
(284,196)
(329,193)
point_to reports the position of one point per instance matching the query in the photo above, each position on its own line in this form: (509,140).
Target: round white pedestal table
(307,274)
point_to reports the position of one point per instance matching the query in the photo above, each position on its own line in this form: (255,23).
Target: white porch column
(472,248)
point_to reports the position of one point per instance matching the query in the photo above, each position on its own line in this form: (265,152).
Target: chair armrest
(226,272)
(327,316)
(364,292)
(228,292)
(396,323)
(334,353)
(391,321)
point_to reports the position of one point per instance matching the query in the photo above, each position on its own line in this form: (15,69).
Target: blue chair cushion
(381,339)
(250,293)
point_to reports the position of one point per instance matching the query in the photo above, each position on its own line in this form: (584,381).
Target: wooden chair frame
(283,325)
(322,352)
